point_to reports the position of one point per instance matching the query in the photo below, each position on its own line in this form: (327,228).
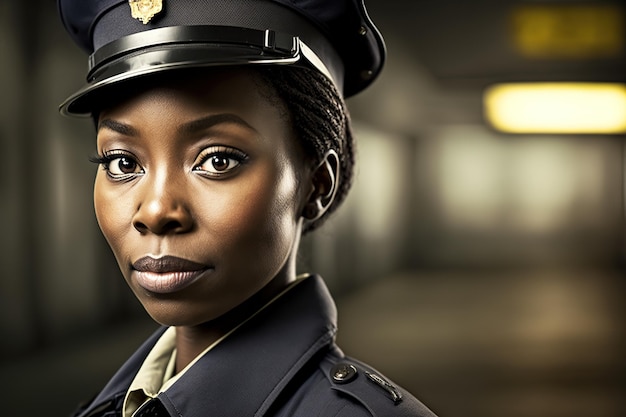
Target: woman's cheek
(112,212)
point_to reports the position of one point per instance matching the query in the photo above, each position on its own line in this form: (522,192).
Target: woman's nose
(163,210)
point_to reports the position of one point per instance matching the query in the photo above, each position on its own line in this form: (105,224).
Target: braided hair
(320,119)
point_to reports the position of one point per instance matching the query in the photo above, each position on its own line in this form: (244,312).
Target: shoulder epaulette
(380,396)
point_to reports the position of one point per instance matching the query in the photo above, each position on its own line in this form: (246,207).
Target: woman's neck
(193,340)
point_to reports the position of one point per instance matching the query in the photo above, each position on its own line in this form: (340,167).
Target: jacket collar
(246,372)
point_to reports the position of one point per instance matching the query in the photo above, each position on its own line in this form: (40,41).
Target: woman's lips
(167,274)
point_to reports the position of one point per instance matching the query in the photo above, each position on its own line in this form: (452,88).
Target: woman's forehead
(210,101)
(212,88)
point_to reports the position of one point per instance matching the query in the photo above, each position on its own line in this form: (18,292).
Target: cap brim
(186,47)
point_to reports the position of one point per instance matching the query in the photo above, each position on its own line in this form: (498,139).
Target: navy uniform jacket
(283,362)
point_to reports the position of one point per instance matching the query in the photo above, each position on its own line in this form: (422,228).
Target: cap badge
(145,10)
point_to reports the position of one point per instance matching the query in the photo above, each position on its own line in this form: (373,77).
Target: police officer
(266,338)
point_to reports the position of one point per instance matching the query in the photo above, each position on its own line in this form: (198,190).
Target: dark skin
(207,172)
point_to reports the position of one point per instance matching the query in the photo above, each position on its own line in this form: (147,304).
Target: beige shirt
(157,373)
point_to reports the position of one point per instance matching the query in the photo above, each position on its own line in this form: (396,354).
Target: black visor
(168,48)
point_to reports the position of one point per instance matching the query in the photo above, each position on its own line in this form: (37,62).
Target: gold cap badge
(145,10)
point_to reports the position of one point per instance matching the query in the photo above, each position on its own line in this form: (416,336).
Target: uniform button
(343,373)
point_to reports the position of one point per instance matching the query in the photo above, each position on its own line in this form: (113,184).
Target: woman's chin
(170,314)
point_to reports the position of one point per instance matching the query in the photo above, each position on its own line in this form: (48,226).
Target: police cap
(127,39)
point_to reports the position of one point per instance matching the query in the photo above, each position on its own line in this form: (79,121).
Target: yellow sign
(145,10)
(569,30)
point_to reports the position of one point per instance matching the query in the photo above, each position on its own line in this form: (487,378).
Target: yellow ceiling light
(563,108)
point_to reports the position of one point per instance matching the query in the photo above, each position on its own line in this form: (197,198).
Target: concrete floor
(489,344)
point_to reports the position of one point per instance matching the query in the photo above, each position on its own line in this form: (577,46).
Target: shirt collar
(155,371)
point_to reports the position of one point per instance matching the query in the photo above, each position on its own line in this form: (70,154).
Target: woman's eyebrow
(118,127)
(204,123)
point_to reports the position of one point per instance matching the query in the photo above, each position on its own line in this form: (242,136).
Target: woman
(222,136)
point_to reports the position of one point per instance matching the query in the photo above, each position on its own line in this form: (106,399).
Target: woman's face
(199,194)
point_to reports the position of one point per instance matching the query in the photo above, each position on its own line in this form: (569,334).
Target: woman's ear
(324,187)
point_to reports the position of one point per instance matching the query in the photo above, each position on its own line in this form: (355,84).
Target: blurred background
(479,260)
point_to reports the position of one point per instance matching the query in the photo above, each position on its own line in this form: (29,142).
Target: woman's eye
(220,163)
(119,166)
(123,165)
